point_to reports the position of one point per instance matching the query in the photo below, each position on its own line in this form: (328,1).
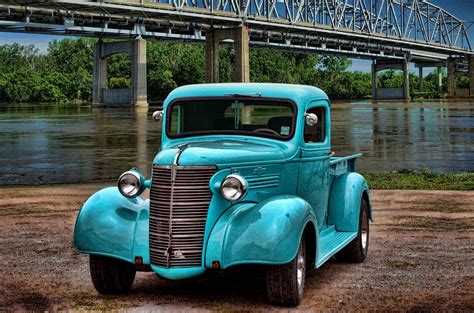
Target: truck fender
(345,199)
(265,233)
(112,225)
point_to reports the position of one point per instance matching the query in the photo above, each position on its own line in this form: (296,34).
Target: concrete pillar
(240,36)
(139,86)
(137,94)
(100,75)
(451,77)
(471,74)
(212,57)
(242,65)
(374,80)
(440,79)
(420,72)
(406,80)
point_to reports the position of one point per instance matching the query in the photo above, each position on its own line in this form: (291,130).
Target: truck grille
(178,212)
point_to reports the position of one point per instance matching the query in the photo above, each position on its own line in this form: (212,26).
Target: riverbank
(420,259)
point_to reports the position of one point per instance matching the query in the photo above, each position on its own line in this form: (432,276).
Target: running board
(330,242)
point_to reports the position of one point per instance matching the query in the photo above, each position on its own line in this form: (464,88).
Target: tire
(356,251)
(111,276)
(284,287)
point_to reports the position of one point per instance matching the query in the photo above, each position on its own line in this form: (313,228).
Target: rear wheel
(285,283)
(111,276)
(356,251)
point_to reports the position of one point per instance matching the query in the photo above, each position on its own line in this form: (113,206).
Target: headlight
(130,184)
(233,187)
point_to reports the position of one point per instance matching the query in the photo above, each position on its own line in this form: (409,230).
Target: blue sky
(463,9)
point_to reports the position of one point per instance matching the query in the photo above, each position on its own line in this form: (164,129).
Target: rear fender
(345,199)
(112,225)
(265,233)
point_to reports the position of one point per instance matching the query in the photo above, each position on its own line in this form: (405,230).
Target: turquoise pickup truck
(245,175)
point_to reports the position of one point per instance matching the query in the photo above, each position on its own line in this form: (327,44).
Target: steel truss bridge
(372,29)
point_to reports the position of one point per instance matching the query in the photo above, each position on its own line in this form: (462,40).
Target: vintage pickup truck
(244,175)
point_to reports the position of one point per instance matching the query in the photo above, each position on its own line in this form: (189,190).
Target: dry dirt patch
(421,259)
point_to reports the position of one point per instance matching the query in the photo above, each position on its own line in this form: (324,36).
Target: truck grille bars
(179,201)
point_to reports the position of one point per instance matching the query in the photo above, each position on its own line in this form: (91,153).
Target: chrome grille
(178,212)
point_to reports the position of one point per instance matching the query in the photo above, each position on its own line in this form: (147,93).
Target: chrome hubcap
(364,230)
(300,269)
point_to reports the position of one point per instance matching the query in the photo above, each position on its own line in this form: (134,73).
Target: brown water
(42,144)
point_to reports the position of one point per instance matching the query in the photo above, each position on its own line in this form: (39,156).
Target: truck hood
(221,152)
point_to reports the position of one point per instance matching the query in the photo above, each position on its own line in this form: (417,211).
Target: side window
(316,133)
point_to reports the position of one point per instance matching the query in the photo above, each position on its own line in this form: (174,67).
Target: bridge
(391,33)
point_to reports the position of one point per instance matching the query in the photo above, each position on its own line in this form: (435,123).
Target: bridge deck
(388,29)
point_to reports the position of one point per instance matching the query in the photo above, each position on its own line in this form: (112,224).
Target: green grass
(421,180)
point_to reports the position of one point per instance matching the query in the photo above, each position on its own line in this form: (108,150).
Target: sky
(463,9)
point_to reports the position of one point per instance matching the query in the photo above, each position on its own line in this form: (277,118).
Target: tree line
(64,72)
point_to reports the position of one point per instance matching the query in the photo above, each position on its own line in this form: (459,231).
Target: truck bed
(342,165)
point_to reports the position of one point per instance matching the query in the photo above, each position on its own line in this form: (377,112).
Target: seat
(277,122)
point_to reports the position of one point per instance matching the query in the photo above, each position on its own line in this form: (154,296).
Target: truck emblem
(259,171)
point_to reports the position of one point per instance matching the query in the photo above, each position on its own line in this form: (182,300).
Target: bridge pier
(440,79)
(420,74)
(240,36)
(451,64)
(390,93)
(136,95)
(422,65)
(471,75)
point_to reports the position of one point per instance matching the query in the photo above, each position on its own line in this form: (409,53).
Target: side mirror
(311,119)
(157,116)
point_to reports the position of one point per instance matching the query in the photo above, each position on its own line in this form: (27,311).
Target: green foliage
(421,180)
(65,71)
(462,81)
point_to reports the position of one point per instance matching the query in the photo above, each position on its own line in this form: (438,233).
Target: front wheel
(356,251)
(111,276)
(285,283)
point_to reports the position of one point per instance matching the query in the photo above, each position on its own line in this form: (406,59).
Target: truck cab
(244,175)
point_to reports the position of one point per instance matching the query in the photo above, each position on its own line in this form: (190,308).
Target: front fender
(344,203)
(265,233)
(112,225)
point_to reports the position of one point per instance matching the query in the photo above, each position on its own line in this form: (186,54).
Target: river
(44,143)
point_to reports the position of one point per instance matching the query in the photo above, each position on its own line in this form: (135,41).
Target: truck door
(313,184)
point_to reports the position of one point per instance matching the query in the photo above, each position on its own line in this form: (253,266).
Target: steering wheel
(266,130)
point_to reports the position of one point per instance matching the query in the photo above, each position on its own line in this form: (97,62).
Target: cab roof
(300,94)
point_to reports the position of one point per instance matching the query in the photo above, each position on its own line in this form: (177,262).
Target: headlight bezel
(140,183)
(243,187)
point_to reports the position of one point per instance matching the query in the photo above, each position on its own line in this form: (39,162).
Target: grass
(421,180)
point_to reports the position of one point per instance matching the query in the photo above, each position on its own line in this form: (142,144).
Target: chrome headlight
(233,187)
(131,183)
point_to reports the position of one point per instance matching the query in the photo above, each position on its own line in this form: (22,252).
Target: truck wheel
(356,251)
(111,276)
(285,283)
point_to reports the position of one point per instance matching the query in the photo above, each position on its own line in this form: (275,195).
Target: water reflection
(396,136)
(50,144)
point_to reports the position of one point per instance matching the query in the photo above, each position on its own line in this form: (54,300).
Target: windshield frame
(232,132)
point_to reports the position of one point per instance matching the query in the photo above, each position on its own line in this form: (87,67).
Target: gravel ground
(421,258)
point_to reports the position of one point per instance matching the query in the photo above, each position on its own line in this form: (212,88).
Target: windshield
(267,118)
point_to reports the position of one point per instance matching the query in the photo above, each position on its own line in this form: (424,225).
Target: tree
(65,72)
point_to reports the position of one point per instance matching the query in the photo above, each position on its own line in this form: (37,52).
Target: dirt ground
(421,258)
